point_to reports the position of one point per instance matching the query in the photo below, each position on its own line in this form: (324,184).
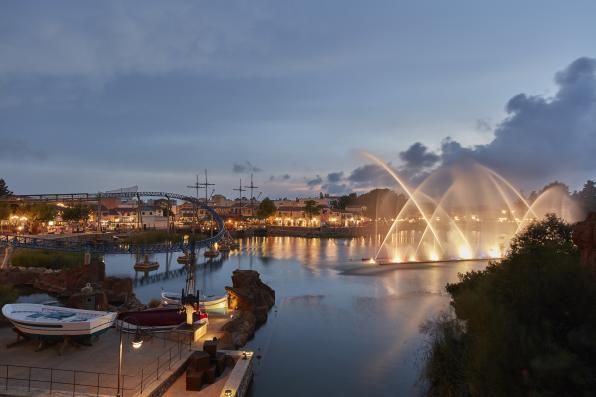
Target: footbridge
(107,247)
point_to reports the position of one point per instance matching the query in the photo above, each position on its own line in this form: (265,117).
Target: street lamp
(137,342)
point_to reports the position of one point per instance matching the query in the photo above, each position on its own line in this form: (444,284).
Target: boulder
(251,299)
(249,293)
(118,290)
(240,329)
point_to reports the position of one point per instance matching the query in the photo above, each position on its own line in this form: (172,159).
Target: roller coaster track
(103,247)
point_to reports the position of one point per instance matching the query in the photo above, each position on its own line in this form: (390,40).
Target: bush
(153,303)
(47,259)
(524,326)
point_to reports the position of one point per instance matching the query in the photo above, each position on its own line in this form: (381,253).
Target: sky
(101,95)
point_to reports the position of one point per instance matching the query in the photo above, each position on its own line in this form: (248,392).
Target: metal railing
(110,248)
(58,381)
(54,381)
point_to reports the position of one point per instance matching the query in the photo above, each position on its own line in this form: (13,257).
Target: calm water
(339,327)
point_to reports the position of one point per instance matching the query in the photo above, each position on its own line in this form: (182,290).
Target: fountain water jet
(405,188)
(470,211)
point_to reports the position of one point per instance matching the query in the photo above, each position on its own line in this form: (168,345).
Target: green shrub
(524,326)
(47,259)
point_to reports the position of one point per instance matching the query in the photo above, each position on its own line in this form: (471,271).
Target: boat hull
(51,321)
(154,319)
(218,303)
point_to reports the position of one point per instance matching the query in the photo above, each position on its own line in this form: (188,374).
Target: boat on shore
(155,320)
(53,322)
(207,302)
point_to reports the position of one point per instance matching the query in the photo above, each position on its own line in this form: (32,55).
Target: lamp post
(137,342)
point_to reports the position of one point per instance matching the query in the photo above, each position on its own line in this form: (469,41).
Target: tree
(344,201)
(523,326)
(311,208)
(76,213)
(587,196)
(266,208)
(382,203)
(4,189)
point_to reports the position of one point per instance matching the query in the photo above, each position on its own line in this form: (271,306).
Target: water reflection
(340,326)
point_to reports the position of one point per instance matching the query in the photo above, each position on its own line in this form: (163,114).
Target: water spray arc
(465,215)
(407,190)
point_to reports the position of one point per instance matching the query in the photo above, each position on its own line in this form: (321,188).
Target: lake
(340,327)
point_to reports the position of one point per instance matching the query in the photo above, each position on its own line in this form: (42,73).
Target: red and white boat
(156,320)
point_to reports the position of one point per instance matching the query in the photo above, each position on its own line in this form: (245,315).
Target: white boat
(52,321)
(207,302)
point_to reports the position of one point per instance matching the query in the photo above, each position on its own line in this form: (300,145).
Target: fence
(55,381)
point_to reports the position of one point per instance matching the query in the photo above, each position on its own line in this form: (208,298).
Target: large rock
(251,299)
(241,328)
(118,290)
(249,293)
(584,236)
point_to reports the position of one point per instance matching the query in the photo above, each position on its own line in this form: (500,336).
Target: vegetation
(381,203)
(587,196)
(344,201)
(76,213)
(7,294)
(4,189)
(154,303)
(47,259)
(524,326)
(266,208)
(311,208)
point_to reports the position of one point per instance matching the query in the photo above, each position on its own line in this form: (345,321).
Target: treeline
(524,326)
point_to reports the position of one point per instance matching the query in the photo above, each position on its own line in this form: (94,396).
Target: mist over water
(339,327)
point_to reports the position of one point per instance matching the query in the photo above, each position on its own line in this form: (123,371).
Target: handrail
(104,247)
(144,376)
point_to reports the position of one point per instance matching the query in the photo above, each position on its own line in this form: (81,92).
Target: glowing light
(494,252)
(464,252)
(372,261)
(396,259)
(434,256)
(412,258)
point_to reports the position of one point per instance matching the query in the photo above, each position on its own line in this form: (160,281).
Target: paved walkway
(159,356)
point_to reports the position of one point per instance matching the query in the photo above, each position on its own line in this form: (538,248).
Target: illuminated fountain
(461,212)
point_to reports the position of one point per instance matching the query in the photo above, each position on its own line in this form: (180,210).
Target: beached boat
(53,321)
(207,302)
(155,320)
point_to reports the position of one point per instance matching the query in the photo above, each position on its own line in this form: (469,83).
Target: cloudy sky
(96,95)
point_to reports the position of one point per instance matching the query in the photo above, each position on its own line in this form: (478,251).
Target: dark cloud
(283,177)
(336,188)
(483,125)
(542,137)
(247,166)
(418,156)
(311,183)
(369,175)
(335,177)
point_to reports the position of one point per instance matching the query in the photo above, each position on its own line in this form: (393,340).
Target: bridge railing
(104,247)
